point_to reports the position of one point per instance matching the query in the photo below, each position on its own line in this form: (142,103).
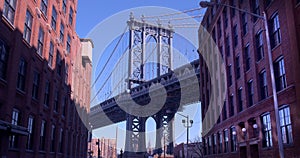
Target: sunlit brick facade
(44,80)
(249,100)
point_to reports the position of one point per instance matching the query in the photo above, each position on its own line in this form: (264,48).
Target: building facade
(246,126)
(108,148)
(45,71)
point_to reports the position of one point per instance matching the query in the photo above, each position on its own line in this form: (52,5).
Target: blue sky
(92,12)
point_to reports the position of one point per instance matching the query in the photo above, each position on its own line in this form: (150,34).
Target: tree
(197,148)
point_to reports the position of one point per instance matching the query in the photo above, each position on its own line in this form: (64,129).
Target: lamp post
(187,124)
(205,4)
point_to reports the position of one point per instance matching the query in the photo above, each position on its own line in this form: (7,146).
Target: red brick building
(45,71)
(246,126)
(108,147)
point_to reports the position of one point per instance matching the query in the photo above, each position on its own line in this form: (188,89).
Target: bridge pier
(135,143)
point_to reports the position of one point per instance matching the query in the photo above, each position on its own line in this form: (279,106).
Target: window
(247,57)
(220,142)
(263,85)
(235,36)
(51,51)
(68,44)
(255,9)
(238,67)
(13,139)
(58,63)
(267,131)
(259,46)
(227,49)
(279,72)
(63,107)
(226,139)
(250,93)
(3,59)
(15,117)
(225,18)
(43,135)
(233,139)
(40,42)
(52,139)
(240,99)
(244,23)
(44,7)
(47,93)
(231,105)
(275,37)
(286,125)
(60,143)
(36,83)
(56,101)
(21,74)
(215,144)
(30,129)
(53,18)
(229,75)
(66,73)
(71,16)
(27,27)
(61,32)
(64,6)
(9,10)
(209,145)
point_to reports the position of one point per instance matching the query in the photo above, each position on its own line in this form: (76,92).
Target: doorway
(254,151)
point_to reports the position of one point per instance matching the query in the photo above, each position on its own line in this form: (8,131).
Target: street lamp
(205,4)
(187,124)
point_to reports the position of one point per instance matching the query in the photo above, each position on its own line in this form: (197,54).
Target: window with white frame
(21,74)
(3,59)
(51,52)
(266,130)
(40,46)
(44,7)
(279,72)
(275,36)
(30,129)
(53,18)
(36,85)
(9,10)
(286,124)
(42,135)
(28,26)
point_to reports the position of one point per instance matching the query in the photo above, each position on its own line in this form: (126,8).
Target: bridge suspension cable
(114,50)
(104,83)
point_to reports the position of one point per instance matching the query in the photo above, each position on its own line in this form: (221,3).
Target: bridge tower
(135,145)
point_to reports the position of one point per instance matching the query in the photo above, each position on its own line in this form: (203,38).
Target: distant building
(194,150)
(45,71)
(246,126)
(108,148)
